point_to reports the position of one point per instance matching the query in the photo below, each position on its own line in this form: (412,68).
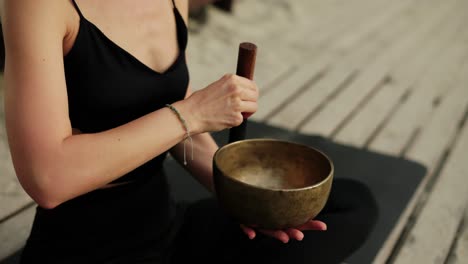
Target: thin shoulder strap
(173,4)
(77,8)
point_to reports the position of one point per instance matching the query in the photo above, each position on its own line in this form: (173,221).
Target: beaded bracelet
(184,124)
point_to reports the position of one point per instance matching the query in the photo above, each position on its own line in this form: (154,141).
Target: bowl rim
(327,178)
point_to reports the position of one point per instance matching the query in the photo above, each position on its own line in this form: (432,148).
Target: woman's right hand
(221,104)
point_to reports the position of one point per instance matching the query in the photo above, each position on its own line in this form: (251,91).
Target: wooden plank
(436,133)
(280,45)
(288,49)
(403,73)
(309,11)
(387,248)
(351,18)
(274,100)
(222,60)
(361,127)
(252,21)
(324,34)
(296,111)
(291,85)
(321,38)
(309,41)
(340,107)
(269,17)
(309,29)
(210,58)
(431,237)
(275,57)
(208,55)
(414,112)
(15,231)
(459,255)
(384,18)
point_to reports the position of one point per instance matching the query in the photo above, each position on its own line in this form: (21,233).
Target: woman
(89,129)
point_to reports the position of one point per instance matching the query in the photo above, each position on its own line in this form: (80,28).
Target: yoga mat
(392,180)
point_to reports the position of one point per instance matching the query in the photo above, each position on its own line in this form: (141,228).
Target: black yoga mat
(392,180)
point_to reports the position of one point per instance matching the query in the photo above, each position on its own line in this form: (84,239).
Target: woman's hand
(221,104)
(287,234)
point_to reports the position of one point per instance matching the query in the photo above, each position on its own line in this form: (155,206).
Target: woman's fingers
(313,225)
(249,95)
(220,104)
(278,234)
(287,234)
(243,99)
(248,107)
(241,87)
(248,231)
(242,81)
(294,234)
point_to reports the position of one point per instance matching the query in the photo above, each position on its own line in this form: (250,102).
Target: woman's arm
(53,165)
(204,147)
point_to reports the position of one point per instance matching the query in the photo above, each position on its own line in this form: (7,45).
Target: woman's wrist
(187,112)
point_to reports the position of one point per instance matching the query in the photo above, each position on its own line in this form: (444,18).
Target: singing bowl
(271,183)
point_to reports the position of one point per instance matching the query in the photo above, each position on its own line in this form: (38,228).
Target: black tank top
(108,87)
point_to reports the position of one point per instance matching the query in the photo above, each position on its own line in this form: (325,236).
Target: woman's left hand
(286,234)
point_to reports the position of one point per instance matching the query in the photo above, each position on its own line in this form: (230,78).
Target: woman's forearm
(84,162)
(201,167)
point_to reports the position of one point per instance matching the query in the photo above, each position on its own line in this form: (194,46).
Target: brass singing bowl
(270,183)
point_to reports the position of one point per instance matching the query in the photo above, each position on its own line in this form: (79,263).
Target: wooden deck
(387,76)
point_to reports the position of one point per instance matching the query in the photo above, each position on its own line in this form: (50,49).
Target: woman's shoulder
(27,12)
(50,17)
(31,5)
(183,7)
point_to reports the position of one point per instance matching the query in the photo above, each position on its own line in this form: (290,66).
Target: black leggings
(127,224)
(210,236)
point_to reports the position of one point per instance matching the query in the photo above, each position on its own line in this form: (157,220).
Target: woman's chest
(109,88)
(147,30)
